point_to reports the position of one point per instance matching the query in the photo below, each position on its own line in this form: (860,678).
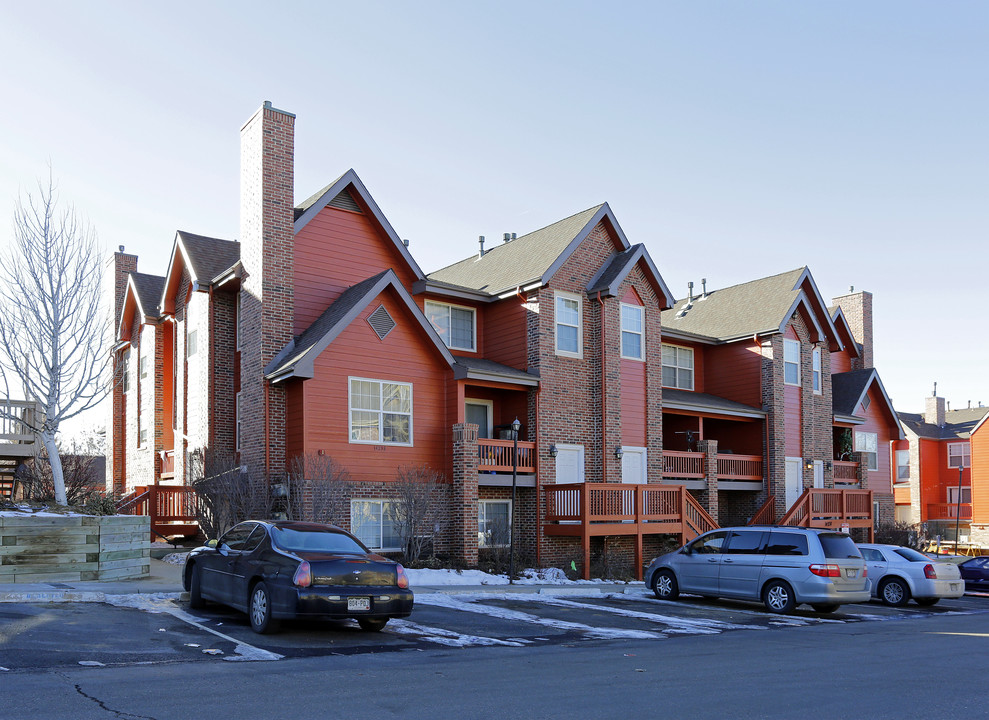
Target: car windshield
(839,546)
(315,541)
(912,555)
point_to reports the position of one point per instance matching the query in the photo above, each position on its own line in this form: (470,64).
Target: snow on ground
(545,576)
(28,511)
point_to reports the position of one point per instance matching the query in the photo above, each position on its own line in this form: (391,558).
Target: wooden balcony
(949,511)
(587,510)
(846,474)
(495,461)
(831,508)
(735,472)
(170,507)
(16,438)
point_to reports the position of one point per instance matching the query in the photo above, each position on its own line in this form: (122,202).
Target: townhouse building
(317,333)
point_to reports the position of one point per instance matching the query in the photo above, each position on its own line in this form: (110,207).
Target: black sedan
(282,570)
(975,573)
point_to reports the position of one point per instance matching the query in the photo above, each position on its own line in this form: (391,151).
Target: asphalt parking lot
(152,629)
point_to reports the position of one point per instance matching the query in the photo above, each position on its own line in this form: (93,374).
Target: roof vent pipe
(703,287)
(507,237)
(405,242)
(690,291)
(480,241)
(513,236)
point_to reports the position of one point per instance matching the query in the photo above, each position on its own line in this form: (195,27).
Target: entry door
(479,413)
(794,480)
(633,471)
(569,464)
(818,474)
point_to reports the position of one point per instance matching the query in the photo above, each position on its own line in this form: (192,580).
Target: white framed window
(791,361)
(966,498)
(380,412)
(817,370)
(633,332)
(868,443)
(191,343)
(902,465)
(454,324)
(678,367)
(237,424)
(959,455)
(373,522)
(125,371)
(494,518)
(569,324)
(237,322)
(144,362)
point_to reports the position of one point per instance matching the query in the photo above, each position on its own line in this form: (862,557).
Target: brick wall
(857,308)
(118,267)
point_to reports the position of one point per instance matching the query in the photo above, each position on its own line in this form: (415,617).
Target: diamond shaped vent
(381,322)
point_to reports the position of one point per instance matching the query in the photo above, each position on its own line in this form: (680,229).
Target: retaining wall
(68,549)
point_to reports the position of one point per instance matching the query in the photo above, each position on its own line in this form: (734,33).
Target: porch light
(619,452)
(808,464)
(827,465)
(553,451)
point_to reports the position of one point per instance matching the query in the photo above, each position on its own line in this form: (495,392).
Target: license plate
(954,586)
(359,603)
(851,572)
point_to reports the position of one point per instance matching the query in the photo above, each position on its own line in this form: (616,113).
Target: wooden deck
(587,510)
(837,509)
(170,508)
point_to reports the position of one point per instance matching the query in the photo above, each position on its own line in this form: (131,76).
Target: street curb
(75,596)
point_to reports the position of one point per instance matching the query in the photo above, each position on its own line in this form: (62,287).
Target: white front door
(569,464)
(794,480)
(633,465)
(818,474)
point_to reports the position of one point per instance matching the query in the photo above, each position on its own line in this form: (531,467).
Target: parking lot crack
(116,713)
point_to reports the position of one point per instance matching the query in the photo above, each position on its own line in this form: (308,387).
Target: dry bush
(317,489)
(34,481)
(226,493)
(421,503)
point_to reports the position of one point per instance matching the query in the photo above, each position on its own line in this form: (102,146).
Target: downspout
(212,367)
(267,445)
(539,487)
(604,409)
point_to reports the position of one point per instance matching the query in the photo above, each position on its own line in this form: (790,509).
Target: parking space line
(443,636)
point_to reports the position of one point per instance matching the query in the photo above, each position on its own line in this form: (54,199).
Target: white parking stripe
(443,636)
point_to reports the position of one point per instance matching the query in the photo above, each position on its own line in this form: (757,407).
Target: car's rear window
(309,541)
(839,546)
(786,543)
(912,555)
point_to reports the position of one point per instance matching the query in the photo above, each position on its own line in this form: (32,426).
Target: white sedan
(899,573)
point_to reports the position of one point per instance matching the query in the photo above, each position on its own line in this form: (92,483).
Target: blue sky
(736,140)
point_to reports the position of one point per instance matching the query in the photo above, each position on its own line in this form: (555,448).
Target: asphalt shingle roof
(714,403)
(209,257)
(758,306)
(516,263)
(149,289)
(847,389)
(958,424)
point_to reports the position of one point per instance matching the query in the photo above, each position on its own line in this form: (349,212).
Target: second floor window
(125,371)
(633,332)
(902,465)
(868,443)
(817,371)
(959,455)
(568,325)
(791,361)
(144,366)
(192,343)
(454,325)
(380,412)
(678,367)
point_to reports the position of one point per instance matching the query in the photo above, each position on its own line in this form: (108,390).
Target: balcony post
(709,496)
(464,516)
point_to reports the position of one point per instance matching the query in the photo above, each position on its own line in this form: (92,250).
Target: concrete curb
(76,596)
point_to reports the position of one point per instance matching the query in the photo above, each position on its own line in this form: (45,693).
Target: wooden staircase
(823,508)
(170,507)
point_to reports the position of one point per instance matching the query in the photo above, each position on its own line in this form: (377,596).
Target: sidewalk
(167,578)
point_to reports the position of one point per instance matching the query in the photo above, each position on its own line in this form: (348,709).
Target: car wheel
(195,594)
(259,610)
(894,591)
(372,624)
(926,602)
(778,597)
(664,584)
(830,608)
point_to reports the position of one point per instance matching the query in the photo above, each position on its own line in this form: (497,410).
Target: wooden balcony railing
(679,465)
(171,508)
(683,465)
(949,511)
(739,467)
(845,473)
(831,508)
(15,416)
(496,456)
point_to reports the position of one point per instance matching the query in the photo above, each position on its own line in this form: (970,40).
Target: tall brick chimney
(118,268)
(934,410)
(857,307)
(267,237)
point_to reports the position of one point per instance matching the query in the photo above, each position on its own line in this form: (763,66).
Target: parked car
(975,573)
(281,570)
(900,573)
(781,566)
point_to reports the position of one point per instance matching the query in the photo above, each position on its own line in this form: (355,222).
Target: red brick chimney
(857,307)
(267,237)
(118,268)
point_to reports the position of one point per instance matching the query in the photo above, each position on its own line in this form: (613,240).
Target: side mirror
(212,544)
(686,550)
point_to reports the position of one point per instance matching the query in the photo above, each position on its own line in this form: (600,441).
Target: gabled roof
(675,399)
(848,390)
(350,185)
(206,259)
(141,298)
(845,331)
(530,260)
(614,272)
(958,424)
(759,307)
(298,357)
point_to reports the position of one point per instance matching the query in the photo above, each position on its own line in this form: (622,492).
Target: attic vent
(381,322)
(345,201)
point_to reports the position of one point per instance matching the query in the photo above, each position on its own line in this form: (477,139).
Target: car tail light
(403,579)
(929,572)
(865,571)
(303,575)
(825,570)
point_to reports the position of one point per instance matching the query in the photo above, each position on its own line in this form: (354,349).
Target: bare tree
(50,342)
(226,493)
(420,506)
(316,489)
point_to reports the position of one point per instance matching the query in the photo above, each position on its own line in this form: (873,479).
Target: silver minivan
(780,566)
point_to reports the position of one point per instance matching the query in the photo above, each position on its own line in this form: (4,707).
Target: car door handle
(727,560)
(712,560)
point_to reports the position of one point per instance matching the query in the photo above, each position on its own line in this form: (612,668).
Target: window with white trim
(868,443)
(144,362)
(633,332)
(380,412)
(494,519)
(191,343)
(373,522)
(125,372)
(959,455)
(791,361)
(237,425)
(902,465)
(569,322)
(678,367)
(816,355)
(237,321)
(454,324)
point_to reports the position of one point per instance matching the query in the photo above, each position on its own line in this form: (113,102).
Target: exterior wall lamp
(553,452)
(808,464)
(619,452)
(827,465)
